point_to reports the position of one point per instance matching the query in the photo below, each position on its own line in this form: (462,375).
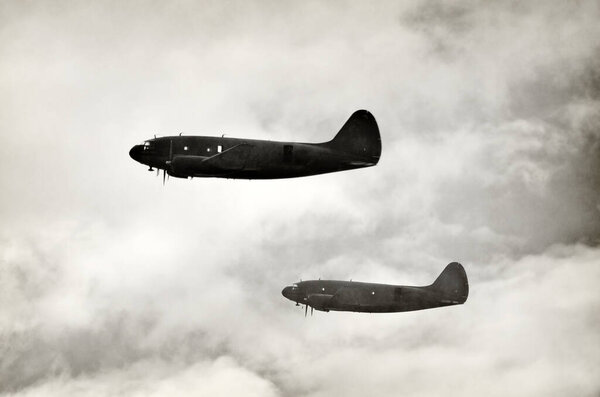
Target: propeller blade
(311,310)
(168,162)
(157,171)
(305,310)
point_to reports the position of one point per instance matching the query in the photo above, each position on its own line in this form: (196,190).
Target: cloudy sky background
(112,284)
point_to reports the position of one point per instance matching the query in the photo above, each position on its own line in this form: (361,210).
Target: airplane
(357,145)
(450,288)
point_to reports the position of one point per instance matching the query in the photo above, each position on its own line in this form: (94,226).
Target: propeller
(168,162)
(311,311)
(305,310)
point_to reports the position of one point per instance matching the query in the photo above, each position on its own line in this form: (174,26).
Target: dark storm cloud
(112,284)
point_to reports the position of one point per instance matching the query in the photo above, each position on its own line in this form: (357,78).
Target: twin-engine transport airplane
(450,288)
(357,145)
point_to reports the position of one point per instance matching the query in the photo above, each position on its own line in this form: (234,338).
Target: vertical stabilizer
(359,137)
(453,283)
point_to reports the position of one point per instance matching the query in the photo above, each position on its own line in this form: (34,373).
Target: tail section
(359,137)
(453,283)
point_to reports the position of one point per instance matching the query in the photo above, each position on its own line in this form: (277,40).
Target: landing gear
(150,169)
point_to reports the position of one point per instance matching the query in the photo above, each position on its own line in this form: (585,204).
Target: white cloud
(222,377)
(111,283)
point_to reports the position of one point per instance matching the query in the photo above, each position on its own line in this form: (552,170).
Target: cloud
(113,284)
(222,377)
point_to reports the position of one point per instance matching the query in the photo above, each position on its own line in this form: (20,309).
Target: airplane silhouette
(357,145)
(450,288)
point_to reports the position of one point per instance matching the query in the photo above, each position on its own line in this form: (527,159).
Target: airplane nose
(287,292)
(134,152)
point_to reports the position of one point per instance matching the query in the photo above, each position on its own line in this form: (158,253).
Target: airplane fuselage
(326,295)
(205,156)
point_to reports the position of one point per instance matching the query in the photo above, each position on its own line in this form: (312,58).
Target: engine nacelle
(319,301)
(187,165)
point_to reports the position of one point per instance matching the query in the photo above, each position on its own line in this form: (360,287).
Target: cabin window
(208,149)
(323,289)
(397,294)
(373,293)
(288,151)
(185,148)
(219,149)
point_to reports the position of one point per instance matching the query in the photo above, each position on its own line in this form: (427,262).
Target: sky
(113,284)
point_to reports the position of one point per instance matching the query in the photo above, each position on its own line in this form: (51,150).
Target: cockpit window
(148,145)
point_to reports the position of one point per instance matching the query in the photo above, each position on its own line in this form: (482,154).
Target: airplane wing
(319,301)
(232,159)
(347,296)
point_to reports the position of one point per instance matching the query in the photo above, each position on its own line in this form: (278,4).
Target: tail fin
(360,137)
(453,283)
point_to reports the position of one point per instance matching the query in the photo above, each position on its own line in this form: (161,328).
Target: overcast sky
(112,284)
